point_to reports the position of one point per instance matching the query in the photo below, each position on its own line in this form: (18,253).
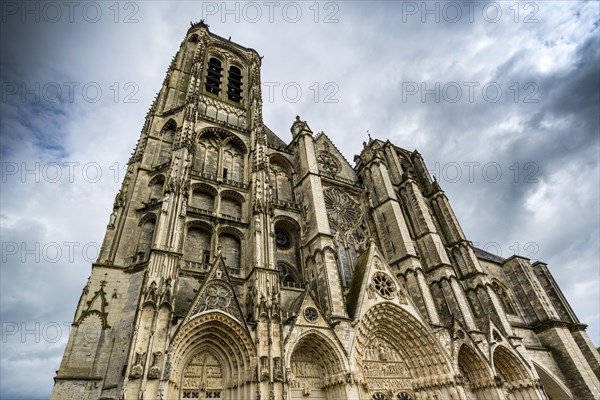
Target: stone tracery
(395,352)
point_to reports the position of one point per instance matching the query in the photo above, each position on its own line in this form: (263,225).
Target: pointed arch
(553,386)
(198,242)
(231,242)
(224,136)
(232,194)
(287,245)
(164,145)
(317,364)
(146,228)
(503,294)
(226,340)
(147,217)
(281,172)
(203,197)
(219,153)
(216,46)
(156,184)
(160,178)
(87,338)
(476,374)
(513,375)
(390,339)
(170,125)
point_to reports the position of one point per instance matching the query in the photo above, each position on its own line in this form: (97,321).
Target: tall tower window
(234,84)
(213,76)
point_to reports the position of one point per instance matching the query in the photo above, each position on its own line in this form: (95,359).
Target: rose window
(282,240)
(384,285)
(342,210)
(217,296)
(311,314)
(328,163)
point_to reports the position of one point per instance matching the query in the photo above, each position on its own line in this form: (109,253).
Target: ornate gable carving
(96,305)
(373,282)
(216,293)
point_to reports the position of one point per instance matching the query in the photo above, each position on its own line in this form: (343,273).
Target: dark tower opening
(213,76)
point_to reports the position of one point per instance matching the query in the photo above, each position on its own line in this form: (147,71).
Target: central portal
(203,378)
(308,375)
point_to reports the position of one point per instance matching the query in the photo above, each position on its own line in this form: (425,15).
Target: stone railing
(204,267)
(161,166)
(285,204)
(293,285)
(231,218)
(199,210)
(196,266)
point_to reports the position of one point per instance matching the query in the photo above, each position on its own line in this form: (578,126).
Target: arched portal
(203,377)
(396,354)
(555,389)
(213,356)
(477,378)
(316,369)
(514,377)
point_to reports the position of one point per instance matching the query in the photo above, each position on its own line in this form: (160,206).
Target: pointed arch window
(286,276)
(214,75)
(234,84)
(505,300)
(145,240)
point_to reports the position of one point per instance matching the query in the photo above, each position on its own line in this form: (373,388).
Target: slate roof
(484,255)
(273,140)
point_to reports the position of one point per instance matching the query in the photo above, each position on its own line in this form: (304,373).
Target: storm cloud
(504,107)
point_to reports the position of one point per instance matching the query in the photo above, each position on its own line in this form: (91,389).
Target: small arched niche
(281,178)
(287,251)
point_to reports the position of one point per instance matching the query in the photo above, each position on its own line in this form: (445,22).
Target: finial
(434,179)
(369,134)
(297,118)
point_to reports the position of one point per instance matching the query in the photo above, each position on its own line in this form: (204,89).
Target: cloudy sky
(501,99)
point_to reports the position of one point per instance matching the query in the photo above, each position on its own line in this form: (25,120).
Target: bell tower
(196,188)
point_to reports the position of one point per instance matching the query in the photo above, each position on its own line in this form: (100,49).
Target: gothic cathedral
(236,266)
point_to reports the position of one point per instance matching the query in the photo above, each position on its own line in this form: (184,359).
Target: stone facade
(237,266)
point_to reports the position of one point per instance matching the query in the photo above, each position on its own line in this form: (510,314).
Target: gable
(216,293)
(331,162)
(374,282)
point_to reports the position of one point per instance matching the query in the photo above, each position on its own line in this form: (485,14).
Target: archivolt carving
(510,371)
(216,332)
(394,351)
(315,362)
(224,136)
(475,372)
